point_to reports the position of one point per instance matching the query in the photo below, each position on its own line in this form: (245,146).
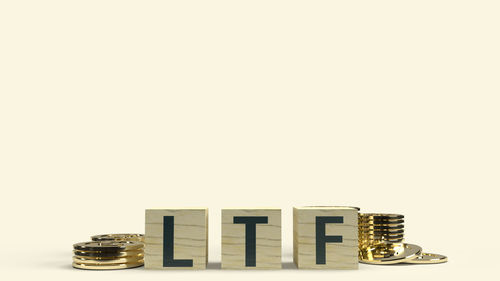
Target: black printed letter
(168,245)
(250,236)
(322,239)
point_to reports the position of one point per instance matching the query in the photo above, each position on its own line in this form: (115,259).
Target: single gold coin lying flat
(104,255)
(388,234)
(362,218)
(389,253)
(81,260)
(378,216)
(428,258)
(119,237)
(381,225)
(108,246)
(106,267)
(381,231)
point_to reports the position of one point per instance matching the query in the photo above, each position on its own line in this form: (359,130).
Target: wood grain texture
(190,237)
(342,255)
(268,239)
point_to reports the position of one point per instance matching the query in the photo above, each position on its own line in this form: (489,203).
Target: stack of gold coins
(100,255)
(381,242)
(380,228)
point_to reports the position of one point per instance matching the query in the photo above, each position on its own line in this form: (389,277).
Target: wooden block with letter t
(325,237)
(176,239)
(251,238)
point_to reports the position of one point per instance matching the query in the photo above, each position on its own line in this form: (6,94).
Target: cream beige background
(111,107)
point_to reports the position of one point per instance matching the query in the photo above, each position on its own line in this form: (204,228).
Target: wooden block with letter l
(325,237)
(251,238)
(176,239)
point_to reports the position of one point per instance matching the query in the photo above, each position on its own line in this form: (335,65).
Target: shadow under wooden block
(176,239)
(251,238)
(325,237)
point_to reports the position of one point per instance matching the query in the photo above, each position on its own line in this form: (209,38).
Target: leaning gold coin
(81,260)
(108,246)
(119,237)
(106,267)
(104,255)
(389,253)
(428,258)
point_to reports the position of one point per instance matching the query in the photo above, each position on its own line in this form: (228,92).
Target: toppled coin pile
(110,251)
(381,242)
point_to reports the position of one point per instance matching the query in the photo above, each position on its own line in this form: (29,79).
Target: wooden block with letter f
(325,237)
(251,238)
(176,239)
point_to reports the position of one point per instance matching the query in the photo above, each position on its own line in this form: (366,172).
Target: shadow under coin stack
(112,251)
(381,242)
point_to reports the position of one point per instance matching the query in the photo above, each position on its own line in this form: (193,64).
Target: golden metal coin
(381,218)
(383,238)
(381,231)
(377,233)
(106,267)
(90,254)
(384,228)
(389,253)
(119,237)
(108,246)
(379,224)
(388,234)
(428,258)
(107,262)
(376,216)
(381,227)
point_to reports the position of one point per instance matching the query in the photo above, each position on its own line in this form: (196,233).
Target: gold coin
(108,246)
(382,216)
(389,253)
(428,258)
(86,261)
(106,267)
(96,254)
(390,233)
(384,228)
(387,233)
(383,223)
(382,238)
(362,229)
(378,238)
(119,237)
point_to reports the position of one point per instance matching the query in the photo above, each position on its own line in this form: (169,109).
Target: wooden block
(176,239)
(251,238)
(325,238)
